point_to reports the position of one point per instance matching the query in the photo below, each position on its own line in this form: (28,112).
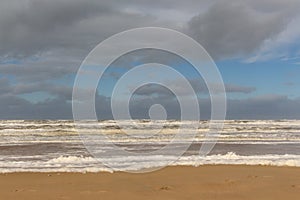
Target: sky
(254,43)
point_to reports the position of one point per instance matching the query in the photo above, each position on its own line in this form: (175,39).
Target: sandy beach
(204,182)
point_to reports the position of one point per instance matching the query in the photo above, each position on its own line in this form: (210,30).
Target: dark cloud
(54,90)
(198,85)
(237,28)
(62,91)
(153,89)
(30,27)
(264,107)
(231,88)
(261,107)
(4,86)
(35,72)
(13,107)
(225,28)
(289,83)
(139,107)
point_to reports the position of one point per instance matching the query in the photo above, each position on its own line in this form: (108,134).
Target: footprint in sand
(296,186)
(165,188)
(18,190)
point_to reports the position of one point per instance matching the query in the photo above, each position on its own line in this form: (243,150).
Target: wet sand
(204,182)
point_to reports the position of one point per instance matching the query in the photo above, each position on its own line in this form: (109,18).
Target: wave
(18,137)
(133,163)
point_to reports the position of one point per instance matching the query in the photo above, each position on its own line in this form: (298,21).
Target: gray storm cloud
(238,28)
(224,28)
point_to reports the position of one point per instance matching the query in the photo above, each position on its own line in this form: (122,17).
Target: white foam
(89,164)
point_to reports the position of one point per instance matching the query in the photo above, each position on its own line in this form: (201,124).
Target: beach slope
(204,182)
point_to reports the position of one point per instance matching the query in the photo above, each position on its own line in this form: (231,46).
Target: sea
(60,146)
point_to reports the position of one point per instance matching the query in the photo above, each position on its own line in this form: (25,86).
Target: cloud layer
(42,44)
(238,28)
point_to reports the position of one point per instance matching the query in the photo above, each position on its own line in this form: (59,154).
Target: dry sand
(204,182)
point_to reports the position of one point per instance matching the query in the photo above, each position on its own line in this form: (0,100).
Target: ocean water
(57,146)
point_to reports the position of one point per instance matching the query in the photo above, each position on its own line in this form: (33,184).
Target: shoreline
(175,182)
(150,171)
